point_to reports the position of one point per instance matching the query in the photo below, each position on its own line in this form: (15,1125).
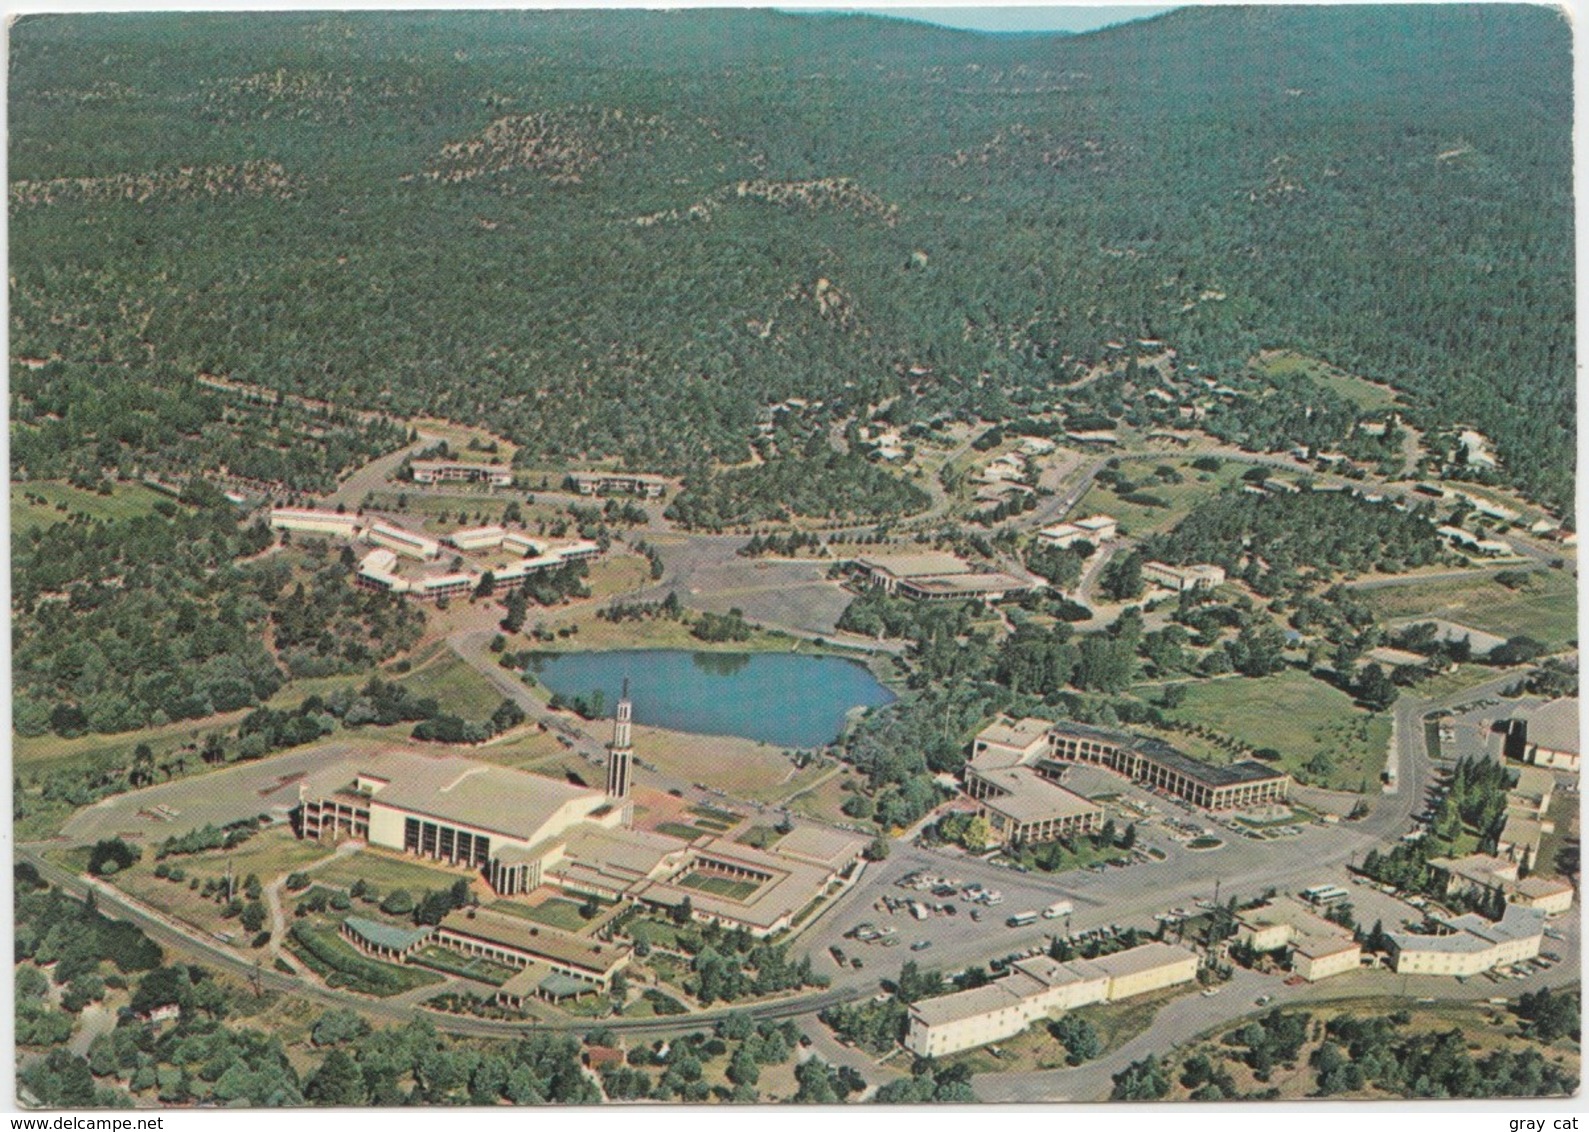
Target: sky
(1080,17)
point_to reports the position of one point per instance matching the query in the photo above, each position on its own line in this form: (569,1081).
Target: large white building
(1199,576)
(523,831)
(445,471)
(1318,947)
(314,522)
(1468,945)
(1040,988)
(1094,529)
(406,543)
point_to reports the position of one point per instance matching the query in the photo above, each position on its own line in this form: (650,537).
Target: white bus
(1021,919)
(1324,895)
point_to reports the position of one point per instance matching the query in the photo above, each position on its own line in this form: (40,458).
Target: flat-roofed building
(516,942)
(1546,735)
(383,941)
(616,483)
(1039,988)
(1095,529)
(1531,796)
(406,543)
(1520,839)
(523,544)
(1181,579)
(1005,743)
(439,586)
(1469,944)
(1156,764)
(315,522)
(378,571)
(477,538)
(454,471)
(986,586)
(1550,896)
(886,571)
(446,809)
(1022,806)
(1477,872)
(1319,948)
(1316,957)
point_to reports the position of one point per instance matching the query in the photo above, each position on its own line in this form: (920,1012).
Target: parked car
(921,945)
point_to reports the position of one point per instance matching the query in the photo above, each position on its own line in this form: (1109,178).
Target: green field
(1365,394)
(386,873)
(1298,716)
(62,501)
(456,686)
(444,959)
(554,913)
(677,829)
(726,887)
(1135,519)
(1546,609)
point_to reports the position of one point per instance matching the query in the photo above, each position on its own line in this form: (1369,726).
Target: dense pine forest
(625,233)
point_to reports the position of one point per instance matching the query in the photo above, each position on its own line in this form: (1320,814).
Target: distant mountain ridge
(1388,188)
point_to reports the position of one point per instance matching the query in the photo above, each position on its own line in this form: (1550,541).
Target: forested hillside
(625,233)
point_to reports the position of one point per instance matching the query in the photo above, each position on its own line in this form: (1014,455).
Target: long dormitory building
(1154,763)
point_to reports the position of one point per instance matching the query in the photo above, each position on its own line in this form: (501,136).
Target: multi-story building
(1157,765)
(1469,944)
(406,543)
(1094,529)
(451,471)
(315,522)
(477,538)
(611,483)
(1040,988)
(1546,735)
(1318,947)
(523,831)
(1200,576)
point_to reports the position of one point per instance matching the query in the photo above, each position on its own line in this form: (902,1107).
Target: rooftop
(535,939)
(915,565)
(1147,957)
(385,935)
(961,1005)
(513,803)
(1554,725)
(827,847)
(963,582)
(1022,733)
(1516,923)
(1032,798)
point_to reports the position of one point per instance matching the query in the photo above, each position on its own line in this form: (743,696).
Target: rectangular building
(1201,576)
(517,942)
(1095,529)
(314,522)
(1470,944)
(451,471)
(1156,764)
(406,543)
(1319,948)
(615,483)
(477,538)
(1039,988)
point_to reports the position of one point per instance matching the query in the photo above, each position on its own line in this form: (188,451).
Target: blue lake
(781,698)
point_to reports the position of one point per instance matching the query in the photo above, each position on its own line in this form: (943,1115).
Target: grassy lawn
(1085,853)
(743,768)
(62,501)
(469,966)
(1546,609)
(823,802)
(1196,487)
(1367,395)
(618,574)
(386,872)
(1298,716)
(677,829)
(554,913)
(268,854)
(336,961)
(456,686)
(760,837)
(726,887)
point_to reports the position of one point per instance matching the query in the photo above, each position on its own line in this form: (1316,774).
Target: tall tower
(621,753)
